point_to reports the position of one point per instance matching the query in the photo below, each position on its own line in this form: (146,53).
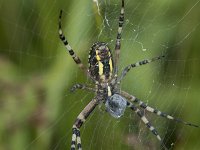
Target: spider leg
(144,119)
(76,139)
(118,40)
(153,110)
(82,87)
(137,64)
(68,47)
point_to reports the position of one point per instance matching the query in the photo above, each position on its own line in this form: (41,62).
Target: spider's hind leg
(68,47)
(118,39)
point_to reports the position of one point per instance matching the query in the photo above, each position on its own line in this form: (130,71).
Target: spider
(103,71)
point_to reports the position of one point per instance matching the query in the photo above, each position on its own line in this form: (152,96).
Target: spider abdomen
(100,62)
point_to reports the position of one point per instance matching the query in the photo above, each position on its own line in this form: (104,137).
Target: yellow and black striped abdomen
(100,62)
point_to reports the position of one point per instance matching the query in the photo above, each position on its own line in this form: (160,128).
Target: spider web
(37,109)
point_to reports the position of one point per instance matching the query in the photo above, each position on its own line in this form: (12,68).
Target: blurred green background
(37,110)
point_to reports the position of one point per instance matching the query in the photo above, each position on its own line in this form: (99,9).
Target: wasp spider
(103,71)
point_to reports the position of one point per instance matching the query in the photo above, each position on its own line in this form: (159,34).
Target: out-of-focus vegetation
(37,110)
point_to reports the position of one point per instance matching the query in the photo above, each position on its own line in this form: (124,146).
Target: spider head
(100,62)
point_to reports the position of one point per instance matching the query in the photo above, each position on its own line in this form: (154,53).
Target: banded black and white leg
(144,119)
(137,64)
(82,87)
(143,105)
(76,138)
(68,47)
(118,40)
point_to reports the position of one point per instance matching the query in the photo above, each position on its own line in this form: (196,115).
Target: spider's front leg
(146,122)
(143,105)
(76,139)
(144,119)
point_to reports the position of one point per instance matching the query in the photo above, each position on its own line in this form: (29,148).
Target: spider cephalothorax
(100,62)
(104,73)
